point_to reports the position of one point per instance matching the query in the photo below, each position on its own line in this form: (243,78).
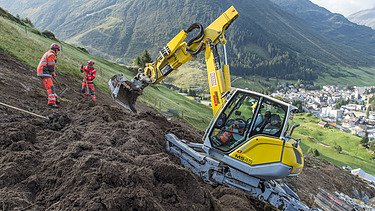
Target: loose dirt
(102,157)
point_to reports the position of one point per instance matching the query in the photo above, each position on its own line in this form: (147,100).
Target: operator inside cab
(244,117)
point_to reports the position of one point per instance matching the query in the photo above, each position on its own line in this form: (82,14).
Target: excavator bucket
(125,92)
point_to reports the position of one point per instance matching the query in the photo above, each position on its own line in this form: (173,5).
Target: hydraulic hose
(197,38)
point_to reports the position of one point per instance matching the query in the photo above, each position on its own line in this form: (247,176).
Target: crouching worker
(88,87)
(46,71)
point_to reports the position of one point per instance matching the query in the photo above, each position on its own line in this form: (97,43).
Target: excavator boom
(247,145)
(176,53)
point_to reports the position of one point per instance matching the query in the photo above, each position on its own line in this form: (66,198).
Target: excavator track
(193,156)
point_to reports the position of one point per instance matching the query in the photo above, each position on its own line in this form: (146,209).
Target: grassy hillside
(198,72)
(324,139)
(361,76)
(28,47)
(265,41)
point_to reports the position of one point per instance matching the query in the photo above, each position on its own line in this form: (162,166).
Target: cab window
(271,119)
(232,125)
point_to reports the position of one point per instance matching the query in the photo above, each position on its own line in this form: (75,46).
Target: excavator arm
(248,157)
(178,52)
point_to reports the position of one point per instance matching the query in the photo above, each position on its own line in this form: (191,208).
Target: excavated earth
(102,157)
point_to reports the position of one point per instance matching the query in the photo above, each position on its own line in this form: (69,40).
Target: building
(323,124)
(333,113)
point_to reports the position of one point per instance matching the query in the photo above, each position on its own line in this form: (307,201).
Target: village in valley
(347,108)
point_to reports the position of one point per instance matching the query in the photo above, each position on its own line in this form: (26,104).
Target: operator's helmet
(55,47)
(275,120)
(90,63)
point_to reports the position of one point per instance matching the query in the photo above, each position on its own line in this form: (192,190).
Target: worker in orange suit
(46,71)
(88,86)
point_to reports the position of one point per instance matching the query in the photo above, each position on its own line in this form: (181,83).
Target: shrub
(299,104)
(141,60)
(83,49)
(313,151)
(35,31)
(338,148)
(27,21)
(49,34)
(364,141)
(372,146)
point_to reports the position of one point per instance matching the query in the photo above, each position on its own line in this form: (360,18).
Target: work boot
(53,106)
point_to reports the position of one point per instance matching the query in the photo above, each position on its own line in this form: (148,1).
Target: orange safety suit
(88,86)
(225,137)
(45,71)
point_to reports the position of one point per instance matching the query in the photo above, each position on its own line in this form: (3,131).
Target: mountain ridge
(331,25)
(364,17)
(264,41)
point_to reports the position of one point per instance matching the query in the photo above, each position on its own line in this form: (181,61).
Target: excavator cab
(251,130)
(248,146)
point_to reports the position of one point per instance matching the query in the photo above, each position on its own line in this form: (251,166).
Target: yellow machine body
(263,150)
(258,150)
(248,143)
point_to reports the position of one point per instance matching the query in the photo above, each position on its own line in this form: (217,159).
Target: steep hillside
(264,41)
(364,17)
(93,157)
(334,26)
(28,45)
(101,157)
(104,158)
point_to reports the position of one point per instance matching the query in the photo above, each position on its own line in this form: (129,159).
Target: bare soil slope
(105,158)
(101,157)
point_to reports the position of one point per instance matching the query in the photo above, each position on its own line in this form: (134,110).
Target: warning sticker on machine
(213,79)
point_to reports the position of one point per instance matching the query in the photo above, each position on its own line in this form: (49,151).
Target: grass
(324,140)
(198,72)
(194,70)
(362,76)
(29,47)
(196,114)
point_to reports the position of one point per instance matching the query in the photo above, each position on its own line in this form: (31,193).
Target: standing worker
(88,87)
(46,71)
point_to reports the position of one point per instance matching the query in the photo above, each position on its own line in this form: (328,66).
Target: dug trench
(102,157)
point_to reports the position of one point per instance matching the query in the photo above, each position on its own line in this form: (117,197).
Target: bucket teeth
(124,91)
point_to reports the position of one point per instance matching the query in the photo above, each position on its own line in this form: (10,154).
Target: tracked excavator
(248,144)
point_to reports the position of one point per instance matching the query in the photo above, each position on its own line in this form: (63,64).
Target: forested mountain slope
(265,40)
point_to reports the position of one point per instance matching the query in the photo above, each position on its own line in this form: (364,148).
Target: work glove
(81,68)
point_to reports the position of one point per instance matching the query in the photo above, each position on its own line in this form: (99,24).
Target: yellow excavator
(248,144)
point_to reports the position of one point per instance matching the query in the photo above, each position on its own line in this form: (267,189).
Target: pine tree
(146,58)
(365,140)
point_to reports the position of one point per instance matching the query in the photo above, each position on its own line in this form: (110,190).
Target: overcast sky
(345,7)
